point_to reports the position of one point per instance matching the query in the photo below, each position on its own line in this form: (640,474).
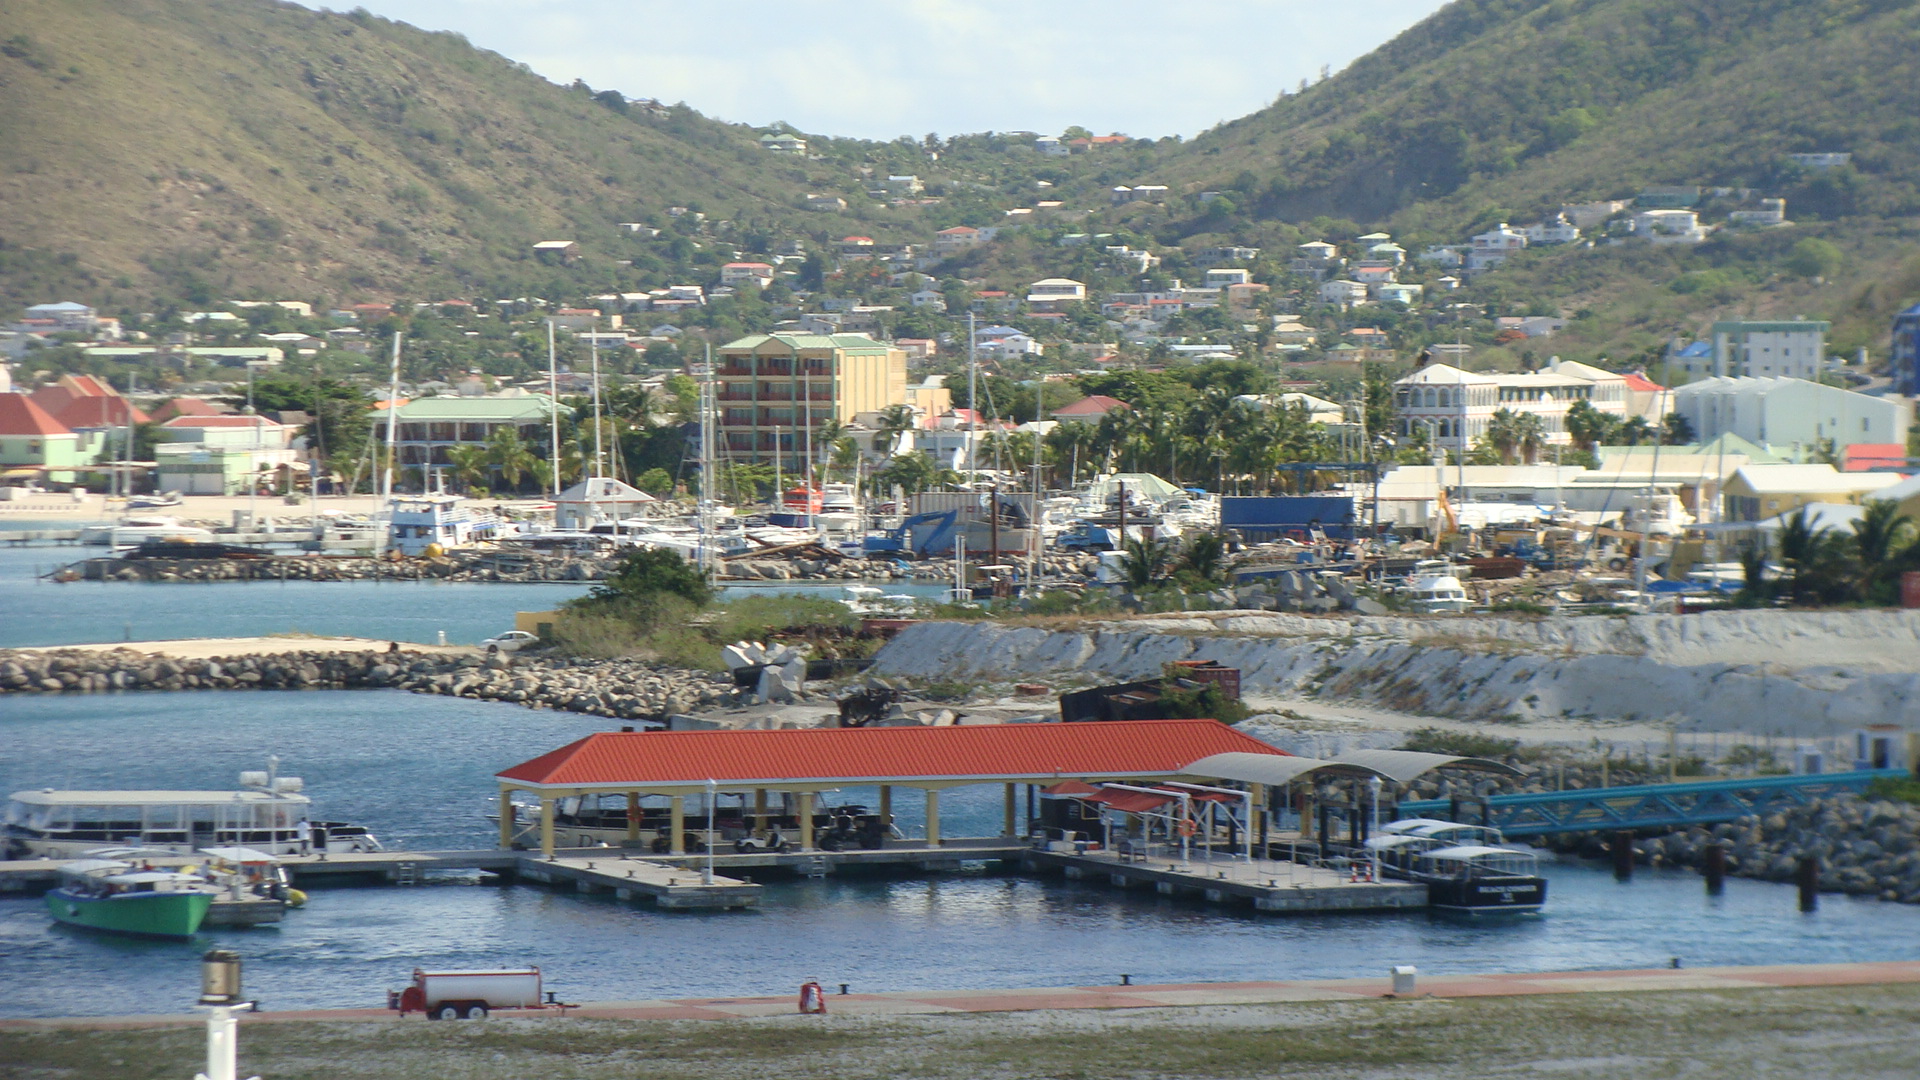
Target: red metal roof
(20,416)
(985,752)
(1637,381)
(1092,405)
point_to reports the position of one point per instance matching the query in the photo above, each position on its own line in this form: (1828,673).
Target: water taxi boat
(1465,867)
(121,898)
(268,814)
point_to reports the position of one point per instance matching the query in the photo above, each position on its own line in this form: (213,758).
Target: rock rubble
(621,689)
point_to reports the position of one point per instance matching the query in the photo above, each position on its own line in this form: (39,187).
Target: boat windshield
(1479,861)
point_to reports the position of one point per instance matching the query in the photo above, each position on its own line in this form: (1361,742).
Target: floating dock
(1269,885)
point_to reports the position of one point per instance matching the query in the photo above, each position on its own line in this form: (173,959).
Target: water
(42,613)
(417,769)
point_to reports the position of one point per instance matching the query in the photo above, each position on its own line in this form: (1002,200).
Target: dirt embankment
(1808,674)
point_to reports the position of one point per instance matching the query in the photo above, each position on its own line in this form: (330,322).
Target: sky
(880,69)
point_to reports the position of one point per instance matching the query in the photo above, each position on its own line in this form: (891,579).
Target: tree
(896,421)
(913,473)
(468,463)
(655,482)
(1144,563)
(1676,430)
(1512,434)
(1880,537)
(508,453)
(1204,558)
(644,576)
(1814,258)
(1634,431)
(1588,426)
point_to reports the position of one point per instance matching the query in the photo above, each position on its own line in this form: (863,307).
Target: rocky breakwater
(1863,847)
(460,566)
(621,689)
(1810,673)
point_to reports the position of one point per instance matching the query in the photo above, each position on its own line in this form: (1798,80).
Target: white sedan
(511,641)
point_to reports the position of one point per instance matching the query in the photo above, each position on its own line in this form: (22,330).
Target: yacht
(418,522)
(268,814)
(137,529)
(1434,586)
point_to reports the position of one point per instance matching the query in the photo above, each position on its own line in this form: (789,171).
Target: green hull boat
(118,898)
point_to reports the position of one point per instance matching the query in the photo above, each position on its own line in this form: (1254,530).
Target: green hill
(201,149)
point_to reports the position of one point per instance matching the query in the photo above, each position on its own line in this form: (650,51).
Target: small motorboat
(118,897)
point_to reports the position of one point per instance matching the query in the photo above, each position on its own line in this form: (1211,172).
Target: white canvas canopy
(1140,486)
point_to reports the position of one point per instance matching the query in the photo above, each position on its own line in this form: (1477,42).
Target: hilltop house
(1054,294)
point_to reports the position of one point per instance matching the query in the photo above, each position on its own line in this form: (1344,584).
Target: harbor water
(45,613)
(418,771)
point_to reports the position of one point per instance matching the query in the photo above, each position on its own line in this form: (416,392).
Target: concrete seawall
(1799,673)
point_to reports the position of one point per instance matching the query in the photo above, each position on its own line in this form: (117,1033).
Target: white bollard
(1404,978)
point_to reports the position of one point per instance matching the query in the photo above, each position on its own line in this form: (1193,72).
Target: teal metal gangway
(1649,806)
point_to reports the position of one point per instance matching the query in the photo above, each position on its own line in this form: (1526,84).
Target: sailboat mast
(393,419)
(973,395)
(599,458)
(553,409)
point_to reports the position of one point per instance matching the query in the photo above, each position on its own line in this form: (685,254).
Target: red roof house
(20,416)
(1089,409)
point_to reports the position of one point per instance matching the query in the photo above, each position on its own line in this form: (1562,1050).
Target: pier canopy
(804,762)
(1406,766)
(682,762)
(1272,770)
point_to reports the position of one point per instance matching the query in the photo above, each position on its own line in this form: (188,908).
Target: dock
(1269,885)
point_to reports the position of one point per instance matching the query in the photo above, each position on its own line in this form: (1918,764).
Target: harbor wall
(1797,673)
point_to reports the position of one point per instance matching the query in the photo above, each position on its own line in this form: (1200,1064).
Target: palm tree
(896,421)
(1144,562)
(1504,435)
(1532,432)
(1204,557)
(468,462)
(507,452)
(1634,431)
(1676,430)
(1879,539)
(1588,426)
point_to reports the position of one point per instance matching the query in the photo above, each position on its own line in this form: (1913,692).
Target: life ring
(1187,827)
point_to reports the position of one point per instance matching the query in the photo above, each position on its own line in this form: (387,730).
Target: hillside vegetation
(204,149)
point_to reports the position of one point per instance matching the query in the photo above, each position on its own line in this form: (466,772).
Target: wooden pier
(1269,885)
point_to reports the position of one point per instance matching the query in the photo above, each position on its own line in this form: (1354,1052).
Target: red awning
(1070,787)
(1133,802)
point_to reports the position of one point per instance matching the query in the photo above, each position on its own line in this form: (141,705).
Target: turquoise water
(43,613)
(417,770)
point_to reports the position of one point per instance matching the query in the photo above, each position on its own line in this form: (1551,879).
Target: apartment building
(774,388)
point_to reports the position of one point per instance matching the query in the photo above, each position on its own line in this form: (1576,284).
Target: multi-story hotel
(773,388)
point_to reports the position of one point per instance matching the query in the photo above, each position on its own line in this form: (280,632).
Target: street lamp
(220,996)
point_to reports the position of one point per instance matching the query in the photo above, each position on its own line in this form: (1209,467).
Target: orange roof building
(809,761)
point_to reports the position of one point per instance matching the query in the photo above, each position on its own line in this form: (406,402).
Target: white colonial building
(1455,407)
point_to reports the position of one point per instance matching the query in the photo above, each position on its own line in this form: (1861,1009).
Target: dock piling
(1622,851)
(1714,866)
(1807,876)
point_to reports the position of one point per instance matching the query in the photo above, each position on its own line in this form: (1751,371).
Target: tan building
(773,387)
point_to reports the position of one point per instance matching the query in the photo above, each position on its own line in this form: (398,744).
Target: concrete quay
(1281,887)
(1124,996)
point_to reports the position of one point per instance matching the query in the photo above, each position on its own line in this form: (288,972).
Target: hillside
(200,149)
(1503,110)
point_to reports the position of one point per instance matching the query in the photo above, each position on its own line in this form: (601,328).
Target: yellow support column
(1257,818)
(507,825)
(933,817)
(886,804)
(546,826)
(1007,827)
(806,821)
(677,821)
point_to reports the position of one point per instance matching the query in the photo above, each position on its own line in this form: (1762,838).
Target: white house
(1455,406)
(757,274)
(1794,349)
(1557,231)
(1343,292)
(1009,346)
(1491,248)
(1669,226)
(1225,276)
(1052,294)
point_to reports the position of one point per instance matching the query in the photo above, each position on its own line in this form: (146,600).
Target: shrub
(1460,743)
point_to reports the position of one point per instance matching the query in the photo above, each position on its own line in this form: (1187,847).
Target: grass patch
(1864,1031)
(1430,740)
